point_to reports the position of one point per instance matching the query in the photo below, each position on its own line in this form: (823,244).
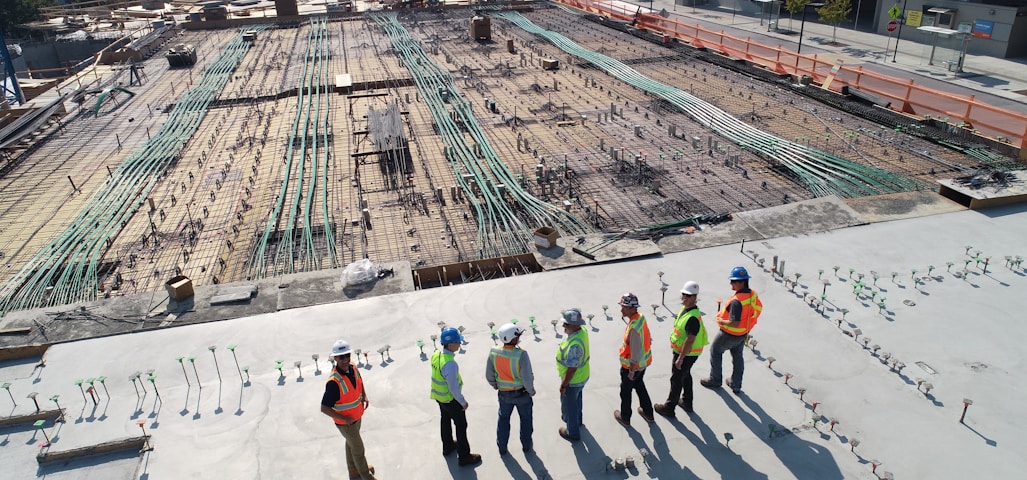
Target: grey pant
(727,343)
(355,450)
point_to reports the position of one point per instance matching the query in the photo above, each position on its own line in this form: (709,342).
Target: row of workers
(508,370)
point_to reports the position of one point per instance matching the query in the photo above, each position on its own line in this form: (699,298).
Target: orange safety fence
(905,95)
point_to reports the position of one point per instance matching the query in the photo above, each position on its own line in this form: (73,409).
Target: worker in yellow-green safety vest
(635,355)
(686,341)
(446,389)
(572,364)
(735,320)
(508,369)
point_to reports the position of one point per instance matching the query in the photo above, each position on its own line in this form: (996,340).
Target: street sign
(892,25)
(894,12)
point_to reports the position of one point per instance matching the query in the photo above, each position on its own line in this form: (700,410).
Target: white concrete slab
(967,330)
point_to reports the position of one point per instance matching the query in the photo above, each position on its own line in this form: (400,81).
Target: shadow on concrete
(987,441)
(804,459)
(537,465)
(87,462)
(459,472)
(514,468)
(555,252)
(726,462)
(586,451)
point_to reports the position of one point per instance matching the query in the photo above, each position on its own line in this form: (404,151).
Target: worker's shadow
(586,451)
(725,461)
(801,457)
(518,473)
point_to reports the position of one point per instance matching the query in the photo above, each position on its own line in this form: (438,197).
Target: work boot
(736,389)
(567,436)
(649,418)
(472,459)
(356,474)
(686,406)
(623,422)
(706,382)
(664,409)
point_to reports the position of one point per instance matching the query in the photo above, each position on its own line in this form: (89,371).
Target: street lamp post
(802,25)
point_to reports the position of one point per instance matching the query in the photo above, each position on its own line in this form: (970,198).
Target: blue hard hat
(450,335)
(739,273)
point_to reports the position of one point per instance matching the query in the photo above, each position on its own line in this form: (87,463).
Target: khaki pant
(355,459)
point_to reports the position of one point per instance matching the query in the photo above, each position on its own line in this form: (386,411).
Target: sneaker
(472,459)
(649,418)
(706,382)
(664,409)
(567,436)
(623,422)
(736,389)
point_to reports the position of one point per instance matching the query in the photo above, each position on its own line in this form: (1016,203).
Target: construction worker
(508,370)
(686,341)
(635,355)
(344,401)
(572,364)
(446,385)
(736,320)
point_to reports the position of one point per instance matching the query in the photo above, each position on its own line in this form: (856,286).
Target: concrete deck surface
(963,329)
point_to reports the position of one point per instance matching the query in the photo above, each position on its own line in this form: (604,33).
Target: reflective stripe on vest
(579,338)
(349,403)
(751,309)
(638,325)
(507,362)
(439,386)
(678,337)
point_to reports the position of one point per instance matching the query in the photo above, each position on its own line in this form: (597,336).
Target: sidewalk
(998,82)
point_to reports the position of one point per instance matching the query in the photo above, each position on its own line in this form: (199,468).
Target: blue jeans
(570,408)
(523,402)
(736,345)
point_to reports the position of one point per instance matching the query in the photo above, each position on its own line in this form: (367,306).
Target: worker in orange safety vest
(737,318)
(344,401)
(508,370)
(635,355)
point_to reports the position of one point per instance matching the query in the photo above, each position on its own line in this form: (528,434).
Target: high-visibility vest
(439,386)
(638,325)
(579,338)
(751,309)
(349,403)
(678,336)
(507,362)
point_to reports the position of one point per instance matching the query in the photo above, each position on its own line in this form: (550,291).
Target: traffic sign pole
(899,16)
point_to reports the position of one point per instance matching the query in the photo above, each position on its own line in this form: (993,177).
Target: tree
(834,12)
(16,12)
(793,7)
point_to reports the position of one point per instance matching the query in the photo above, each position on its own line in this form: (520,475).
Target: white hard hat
(340,347)
(509,331)
(690,288)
